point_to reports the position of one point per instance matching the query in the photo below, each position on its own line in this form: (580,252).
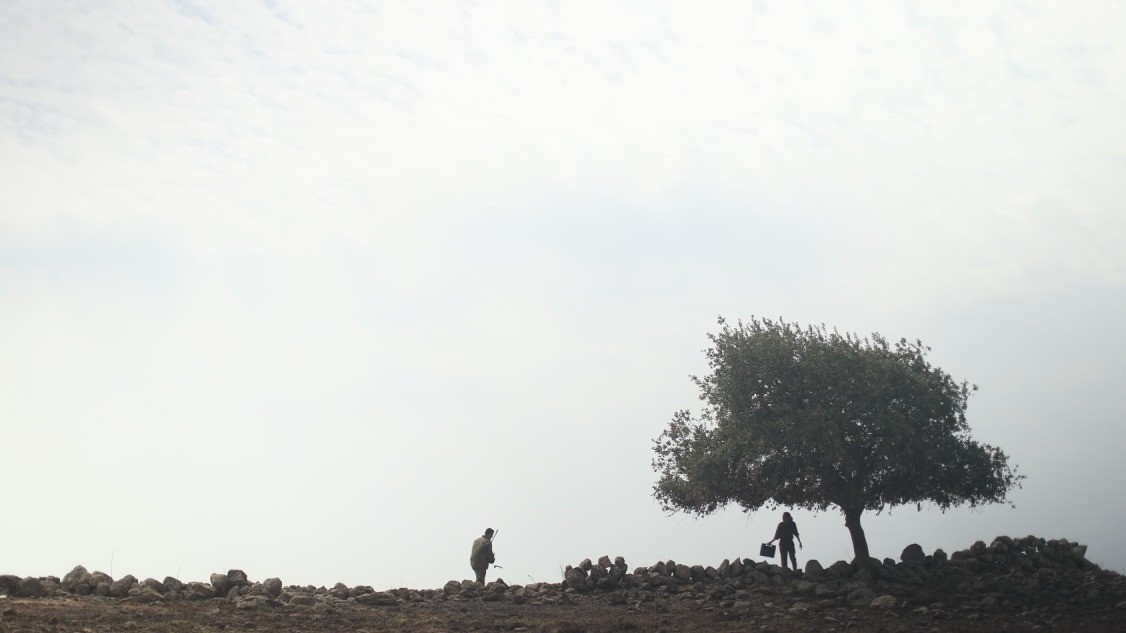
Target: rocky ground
(1027,584)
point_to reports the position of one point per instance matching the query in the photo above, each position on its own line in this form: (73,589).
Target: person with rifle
(481,556)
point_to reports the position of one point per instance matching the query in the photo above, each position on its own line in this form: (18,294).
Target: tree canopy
(811,418)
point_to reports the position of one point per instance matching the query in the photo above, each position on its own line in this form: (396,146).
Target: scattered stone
(120,588)
(237,578)
(575,578)
(360,590)
(199,591)
(220,583)
(1044,579)
(76,578)
(252,602)
(323,607)
(861,596)
(813,569)
(737,568)
(9,584)
(30,588)
(146,595)
(494,591)
(913,553)
(377,598)
(883,602)
(799,608)
(272,586)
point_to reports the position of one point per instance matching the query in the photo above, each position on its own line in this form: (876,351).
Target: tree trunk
(859,543)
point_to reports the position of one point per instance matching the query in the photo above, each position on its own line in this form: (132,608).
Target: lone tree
(809,418)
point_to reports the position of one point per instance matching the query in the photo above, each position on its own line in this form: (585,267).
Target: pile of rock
(233,586)
(1022,573)
(538,593)
(605,576)
(1017,573)
(1024,554)
(81,582)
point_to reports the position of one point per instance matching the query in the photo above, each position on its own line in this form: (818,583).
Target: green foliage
(810,418)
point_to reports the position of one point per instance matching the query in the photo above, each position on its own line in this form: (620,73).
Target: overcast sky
(320,290)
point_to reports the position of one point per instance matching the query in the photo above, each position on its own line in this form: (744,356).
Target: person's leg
(481,575)
(787,551)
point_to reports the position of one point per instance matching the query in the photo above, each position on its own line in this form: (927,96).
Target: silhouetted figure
(785,534)
(482,555)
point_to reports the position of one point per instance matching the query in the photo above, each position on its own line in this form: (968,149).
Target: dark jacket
(786,532)
(482,553)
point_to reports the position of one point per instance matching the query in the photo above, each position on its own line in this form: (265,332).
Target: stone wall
(1009,573)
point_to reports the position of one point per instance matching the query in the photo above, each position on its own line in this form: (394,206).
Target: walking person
(785,534)
(481,556)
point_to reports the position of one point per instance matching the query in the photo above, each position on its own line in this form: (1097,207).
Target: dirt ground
(582,614)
